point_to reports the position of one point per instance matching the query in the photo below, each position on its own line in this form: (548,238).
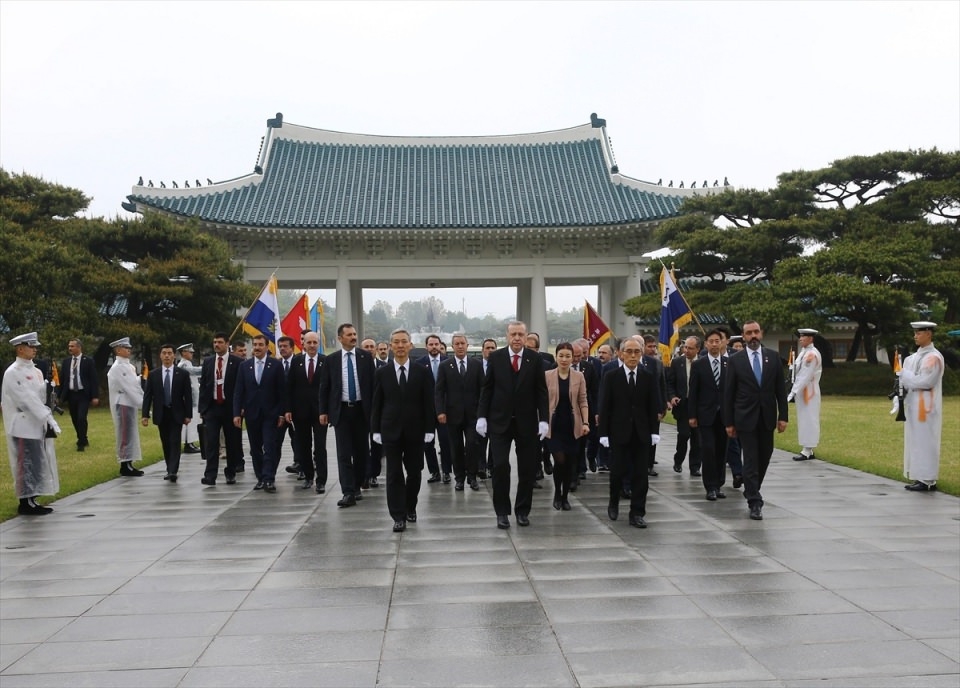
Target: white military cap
(806,332)
(30,339)
(736,338)
(186,347)
(124,342)
(923,325)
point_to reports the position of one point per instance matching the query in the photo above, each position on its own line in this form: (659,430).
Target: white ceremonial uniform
(33,459)
(190,432)
(126,399)
(921,377)
(808,368)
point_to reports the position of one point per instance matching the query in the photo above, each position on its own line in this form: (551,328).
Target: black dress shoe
(399,526)
(358,495)
(365,485)
(241,469)
(920,487)
(721,494)
(127,470)
(347,500)
(293,468)
(678,468)
(592,465)
(756,514)
(652,473)
(603,468)
(307,484)
(695,474)
(412,517)
(321,488)
(537,485)
(173,477)
(458,486)
(474,485)
(539,475)
(565,504)
(503,522)
(207,481)
(231,481)
(434,478)
(548,466)
(626,494)
(711,495)
(522,520)
(638,522)
(269,487)
(801,457)
(301,476)
(374,482)
(27,509)
(557,503)
(482,474)
(80,447)
(737,482)
(191,449)
(260,485)
(446,478)
(166,477)
(613,512)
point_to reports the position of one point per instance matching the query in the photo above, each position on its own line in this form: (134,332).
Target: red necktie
(219,383)
(516,362)
(310,371)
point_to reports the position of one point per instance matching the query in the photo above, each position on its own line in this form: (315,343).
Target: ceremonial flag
(594,329)
(54,373)
(316,321)
(674,314)
(295,321)
(144,371)
(264,315)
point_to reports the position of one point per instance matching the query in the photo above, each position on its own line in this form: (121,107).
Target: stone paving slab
(848,581)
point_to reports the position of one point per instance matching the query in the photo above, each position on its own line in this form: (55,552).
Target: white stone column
(344,302)
(538,307)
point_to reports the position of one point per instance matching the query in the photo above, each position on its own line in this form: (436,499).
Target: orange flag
(594,329)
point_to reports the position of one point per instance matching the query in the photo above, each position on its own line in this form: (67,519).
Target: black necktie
(633,381)
(403,377)
(167,388)
(462,367)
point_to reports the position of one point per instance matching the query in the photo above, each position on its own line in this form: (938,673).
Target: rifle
(898,392)
(53,385)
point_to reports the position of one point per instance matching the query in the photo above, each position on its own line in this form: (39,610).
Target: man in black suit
(513,407)
(169,394)
(485,467)
(628,409)
(402,420)
(704,406)
(459,380)
(653,365)
(260,400)
(303,413)
(218,379)
(79,388)
(591,367)
(285,354)
(678,377)
(432,361)
(374,467)
(754,404)
(346,393)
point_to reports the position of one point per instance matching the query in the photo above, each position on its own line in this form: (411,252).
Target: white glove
(543,429)
(896,405)
(790,397)
(378,438)
(605,442)
(428,438)
(654,440)
(898,373)
(482,427)
(56,428)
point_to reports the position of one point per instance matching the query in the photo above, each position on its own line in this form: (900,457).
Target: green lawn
(855,431)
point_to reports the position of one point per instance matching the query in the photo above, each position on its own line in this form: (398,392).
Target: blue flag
(674,314)
(264,315)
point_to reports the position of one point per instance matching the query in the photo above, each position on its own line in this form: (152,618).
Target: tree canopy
(869,239)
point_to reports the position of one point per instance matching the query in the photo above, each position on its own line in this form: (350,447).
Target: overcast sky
(95,94)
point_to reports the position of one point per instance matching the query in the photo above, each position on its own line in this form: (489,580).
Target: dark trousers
(213,423)
(262,436)
(633,458)
(170,433)
(282,432)
(310,448)
(733,456)
(484,460)
(353,447)
(713,452)
(404,472)
(464,447)
(757,449)
(430,452)
(686,436)
(79,407)
(375,465)
(527,446)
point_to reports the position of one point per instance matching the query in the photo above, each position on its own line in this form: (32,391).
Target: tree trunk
(855,347)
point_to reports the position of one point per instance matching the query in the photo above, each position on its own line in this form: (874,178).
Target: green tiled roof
(317,179)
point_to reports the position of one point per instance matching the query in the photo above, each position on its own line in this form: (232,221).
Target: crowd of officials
(562,414)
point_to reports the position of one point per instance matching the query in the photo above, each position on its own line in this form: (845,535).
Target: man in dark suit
(754,404)
(591,367)
(513,407)
(704,413)
(260,400)
(678,376)
(285,354)
(459,380)
(485,467)
(79,388)
(218,379)
(402,420)
(169,394)
(303,413)
(628,409)
(432,361)
(346,393)
(374,465)
(653,365)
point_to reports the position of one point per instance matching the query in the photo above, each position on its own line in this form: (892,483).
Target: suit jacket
(87,375)
(181,396)
(394,412)
(749,406)
(331,386)
(654,366)
(208,373)
(549,362)
(458,395)
(704,398)
(578,399)
(677,386)
(264,400)
(425,362)
(303,395)
(622,410)
(592,378)
(506,395)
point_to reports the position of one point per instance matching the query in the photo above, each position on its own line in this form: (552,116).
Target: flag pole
(693,313)
(250,307)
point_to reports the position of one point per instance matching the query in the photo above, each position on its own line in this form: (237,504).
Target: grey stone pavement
(848,581)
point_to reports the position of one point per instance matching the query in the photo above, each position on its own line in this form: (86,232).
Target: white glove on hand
(790,397)
(654,440)
(378,438)
(56,428)
(605,442)
(543,429)
(482,427)
(896,405)
(428,438)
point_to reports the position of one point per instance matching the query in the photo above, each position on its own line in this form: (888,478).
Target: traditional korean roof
(317,179)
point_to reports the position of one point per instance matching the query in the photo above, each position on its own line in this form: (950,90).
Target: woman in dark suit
(569,421)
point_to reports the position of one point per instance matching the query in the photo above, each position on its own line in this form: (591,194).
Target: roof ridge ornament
(597,122)
(276,122)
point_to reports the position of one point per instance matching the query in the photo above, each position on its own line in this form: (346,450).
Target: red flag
(594,329)
(296,321)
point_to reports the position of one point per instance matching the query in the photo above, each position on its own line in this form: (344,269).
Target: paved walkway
(848,581)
